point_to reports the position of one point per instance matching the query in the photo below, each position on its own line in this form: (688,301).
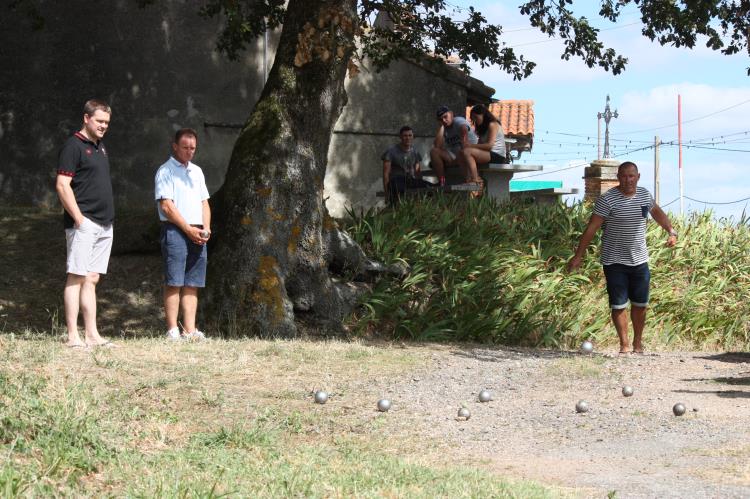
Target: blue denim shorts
(184,261)
(627,282)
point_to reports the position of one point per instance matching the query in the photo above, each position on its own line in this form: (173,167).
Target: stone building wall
(158,69)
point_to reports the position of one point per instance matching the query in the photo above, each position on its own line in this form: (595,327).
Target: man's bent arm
(662,219)
(464,136)
(386,174)
(594,225)
(439,137)
(173,215)
(68,198)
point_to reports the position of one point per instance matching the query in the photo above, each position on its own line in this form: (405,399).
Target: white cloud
(658,107)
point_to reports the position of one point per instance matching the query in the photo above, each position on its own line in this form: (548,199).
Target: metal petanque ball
(587,347)
(627,391)
(321,397)
(582,406)
(384,405)
(464,413)
(678,409)
(485,396)
(204,234)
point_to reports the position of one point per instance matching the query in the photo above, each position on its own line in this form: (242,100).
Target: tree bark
(274,242)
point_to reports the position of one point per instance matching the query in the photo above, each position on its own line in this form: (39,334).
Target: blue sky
(714,88)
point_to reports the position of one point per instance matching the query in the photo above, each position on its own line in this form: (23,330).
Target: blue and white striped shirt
(624,238)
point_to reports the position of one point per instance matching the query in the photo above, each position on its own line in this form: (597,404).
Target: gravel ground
(634,446)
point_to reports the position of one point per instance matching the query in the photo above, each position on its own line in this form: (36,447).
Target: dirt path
(634,446)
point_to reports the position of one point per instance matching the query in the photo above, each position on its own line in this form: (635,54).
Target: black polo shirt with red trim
(87,163)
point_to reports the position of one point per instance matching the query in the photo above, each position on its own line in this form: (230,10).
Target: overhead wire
(555,39)
(718,202)
(692,120)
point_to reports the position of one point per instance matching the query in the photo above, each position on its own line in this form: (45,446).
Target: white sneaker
(195,336)
(174,334)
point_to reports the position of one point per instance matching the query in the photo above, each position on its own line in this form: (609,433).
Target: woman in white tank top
(489,149)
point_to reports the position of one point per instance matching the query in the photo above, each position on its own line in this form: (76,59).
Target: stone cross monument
(601,176)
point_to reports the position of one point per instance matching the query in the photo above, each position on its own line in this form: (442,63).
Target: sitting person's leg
(437,161)
(418,183)
(471,158)
(396,187)
(495,158)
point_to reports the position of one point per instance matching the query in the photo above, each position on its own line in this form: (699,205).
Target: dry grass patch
(152,418)
(732,465)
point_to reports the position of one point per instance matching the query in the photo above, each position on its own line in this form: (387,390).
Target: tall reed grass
(488,272)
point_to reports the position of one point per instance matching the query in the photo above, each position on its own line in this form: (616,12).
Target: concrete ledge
(437,188)
(510,168)
(492,167)
(553,191)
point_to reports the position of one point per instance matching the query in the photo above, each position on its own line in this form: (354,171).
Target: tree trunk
(274,242)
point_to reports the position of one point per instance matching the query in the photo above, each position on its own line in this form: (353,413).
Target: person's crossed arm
(173,215)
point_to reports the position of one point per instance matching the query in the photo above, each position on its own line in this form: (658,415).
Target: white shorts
(89,247)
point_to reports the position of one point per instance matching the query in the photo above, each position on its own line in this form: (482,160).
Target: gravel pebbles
(633,445)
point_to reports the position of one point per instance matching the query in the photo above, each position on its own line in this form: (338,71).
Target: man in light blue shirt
(182,203)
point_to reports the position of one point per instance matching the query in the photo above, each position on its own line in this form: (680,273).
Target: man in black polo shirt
(85,190)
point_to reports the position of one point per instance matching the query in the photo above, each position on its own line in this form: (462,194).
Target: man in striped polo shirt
(623,212)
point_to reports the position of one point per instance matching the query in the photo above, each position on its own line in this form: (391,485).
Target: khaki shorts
(89,247)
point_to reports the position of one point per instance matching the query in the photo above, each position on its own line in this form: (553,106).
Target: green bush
(488,272)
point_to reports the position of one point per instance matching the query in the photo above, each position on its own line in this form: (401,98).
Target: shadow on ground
(732,381)
(735,357)
(500,354)
(32,283)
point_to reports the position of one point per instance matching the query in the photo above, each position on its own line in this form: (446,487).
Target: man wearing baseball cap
(452,133)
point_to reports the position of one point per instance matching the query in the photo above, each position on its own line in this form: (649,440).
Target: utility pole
(657,143)
(679,141)
(607,115)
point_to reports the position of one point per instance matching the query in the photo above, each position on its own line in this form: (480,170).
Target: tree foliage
(437,26)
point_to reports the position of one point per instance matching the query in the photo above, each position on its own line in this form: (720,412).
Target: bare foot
(105,344)
(94,340)
(78,344)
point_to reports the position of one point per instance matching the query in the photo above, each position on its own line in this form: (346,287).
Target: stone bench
(544,196)
(496,176)
(436,188)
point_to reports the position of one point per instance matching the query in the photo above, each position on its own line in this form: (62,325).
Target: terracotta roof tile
(517,118)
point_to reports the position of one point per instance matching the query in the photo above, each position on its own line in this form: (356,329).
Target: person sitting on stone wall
(489,149)
(402,166)
(453,134)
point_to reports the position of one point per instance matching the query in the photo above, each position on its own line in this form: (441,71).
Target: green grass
(496,274)
(141,421)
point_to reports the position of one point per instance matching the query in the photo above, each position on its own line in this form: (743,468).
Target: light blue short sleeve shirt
(185,186)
